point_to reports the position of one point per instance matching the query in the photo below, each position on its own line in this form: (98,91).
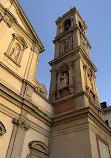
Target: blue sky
(97,15)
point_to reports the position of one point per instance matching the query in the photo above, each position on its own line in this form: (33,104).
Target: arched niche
(67,25)
(16,49)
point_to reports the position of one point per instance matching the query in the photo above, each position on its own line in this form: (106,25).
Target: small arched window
(67,25)
(2,128)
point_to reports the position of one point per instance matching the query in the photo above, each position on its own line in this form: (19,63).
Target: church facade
(71,123)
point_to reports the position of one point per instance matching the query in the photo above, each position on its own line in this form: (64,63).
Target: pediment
(17,15)
(40,146)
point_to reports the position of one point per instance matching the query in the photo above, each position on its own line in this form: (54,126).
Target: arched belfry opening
(67,25)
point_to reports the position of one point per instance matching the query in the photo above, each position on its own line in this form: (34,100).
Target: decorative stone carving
(62,81)
(1,17)
(67,44)
(20,39)
(2,128)
(15,52)
(21,123)
(38,149)
(7,21)
(16,48)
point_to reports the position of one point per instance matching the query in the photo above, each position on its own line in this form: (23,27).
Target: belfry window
(67,25)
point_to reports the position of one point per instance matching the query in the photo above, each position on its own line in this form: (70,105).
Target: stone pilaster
(78,80)
(70,78)
(17,139)
(52,86)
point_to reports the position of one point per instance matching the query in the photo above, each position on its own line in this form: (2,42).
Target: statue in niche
(15,52)
(64,81)
(66,46)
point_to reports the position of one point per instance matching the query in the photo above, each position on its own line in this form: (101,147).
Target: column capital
(21,123)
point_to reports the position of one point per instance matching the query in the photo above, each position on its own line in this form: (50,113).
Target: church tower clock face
(73,84)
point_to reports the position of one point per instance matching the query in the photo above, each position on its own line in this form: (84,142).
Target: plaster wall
(10,80)
(75,144)
(42,103)
(96,130)
(5,139)
(9,105)
(32,135)
(38,122)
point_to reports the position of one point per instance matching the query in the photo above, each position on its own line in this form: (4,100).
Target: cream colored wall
(97,129)
(28,64)
(43,104)
(32,135)
(10,81)
(8,5)
(93,144)
(6,34)
(9,105)
(5,3)
(75,144)
(4,140)
(38,122)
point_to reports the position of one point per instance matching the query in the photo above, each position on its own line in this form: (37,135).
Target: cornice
(94,117)
(23,80)
(64,56)
(70,31)
(80,114)
(71,53)
(64,33)
(23,103)
(71,96)
(107,110)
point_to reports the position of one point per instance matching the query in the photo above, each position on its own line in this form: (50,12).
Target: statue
(64,81)
(15,52)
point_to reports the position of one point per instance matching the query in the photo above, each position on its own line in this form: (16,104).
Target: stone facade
(71,123)
(25,113)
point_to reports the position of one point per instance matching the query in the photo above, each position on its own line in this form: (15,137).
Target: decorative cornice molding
(11,20)
(71,53)
(40,146)
(26,104)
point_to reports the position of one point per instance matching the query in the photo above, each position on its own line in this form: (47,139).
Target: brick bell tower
(77,129)
(73,84)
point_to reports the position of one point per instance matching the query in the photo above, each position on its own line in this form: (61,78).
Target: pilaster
(17,139)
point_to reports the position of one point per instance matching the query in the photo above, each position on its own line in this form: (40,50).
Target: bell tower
(73,84)
(77,128)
